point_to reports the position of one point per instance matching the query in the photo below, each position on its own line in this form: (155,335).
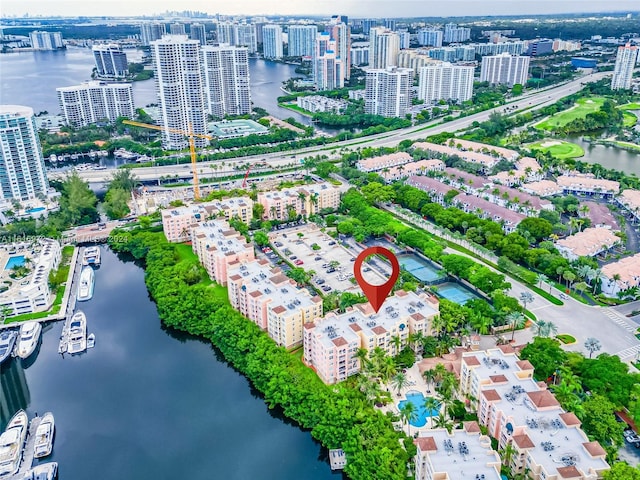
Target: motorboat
(77,333)
(85,289)
(44,471)
(44,436)
(7,342)
(11,443)
(29,336)
(91,340)
(91,256)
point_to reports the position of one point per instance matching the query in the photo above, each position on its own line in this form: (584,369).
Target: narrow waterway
(148,402)
(609,157)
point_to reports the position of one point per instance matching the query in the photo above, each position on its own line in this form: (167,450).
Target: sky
(353,8)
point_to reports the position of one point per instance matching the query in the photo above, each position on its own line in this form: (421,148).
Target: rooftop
(543,188)
(630,198)
(496,212)
(219,236)
(600,215)
(588,183)
(628,268)
(589,242)
(385,161)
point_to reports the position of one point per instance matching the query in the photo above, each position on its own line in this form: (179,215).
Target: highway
(531,101)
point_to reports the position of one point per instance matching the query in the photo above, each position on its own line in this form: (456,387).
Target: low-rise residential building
(272,300)
(413,168)
(465,181)
(330,344)
(35,295)
(376,164)
(482,208)
(462,454)
(588,243)
(621,275)
(516,410)
(318,103)
(516,199)
(630,200)
(303,200)
(527,170)
(543,188)
(177,222)
(486,161)
(217,245)
(432,186)
(468,145)
(587,184)
(600,215)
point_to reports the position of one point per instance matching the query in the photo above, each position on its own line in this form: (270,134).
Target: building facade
(384,46)
(46,40)
(505,69)
(388,91)
(111,61)
(302,39)
(179,86)
(152,31)
(226,80)
(95,102)
(22,171)
(272,41)
(623,70)
(429,37)
(455,34)
(305,200)
(198,32)
(340,33)
(445,81)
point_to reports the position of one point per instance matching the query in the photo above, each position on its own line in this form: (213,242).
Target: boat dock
(72,290)
(28,452)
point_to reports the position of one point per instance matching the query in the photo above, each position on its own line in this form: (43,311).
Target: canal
(148,402)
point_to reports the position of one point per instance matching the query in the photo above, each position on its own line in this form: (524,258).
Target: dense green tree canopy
(545,355)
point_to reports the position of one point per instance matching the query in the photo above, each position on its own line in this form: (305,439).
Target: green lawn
(630,106)
(560,149)
(629,145)
(629,119)
(296,108)
(581,109)
(566,338)
(185,253)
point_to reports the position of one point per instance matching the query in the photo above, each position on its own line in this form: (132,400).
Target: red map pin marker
(376,294)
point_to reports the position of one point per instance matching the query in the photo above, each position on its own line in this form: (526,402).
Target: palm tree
(516,320)
(399,381)
(396,342)
(429,377)
(569,276)
(525,298)
(596,277)
(443,422)
(5,311)
(408,413)
(387,369)
(431,405)
(508,452)
(593,345)
(362,355)
(540,279)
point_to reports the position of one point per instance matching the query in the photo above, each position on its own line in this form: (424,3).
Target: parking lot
(309,248)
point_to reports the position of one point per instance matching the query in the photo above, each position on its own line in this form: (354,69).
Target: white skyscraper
(443,81)
(22,172)
(226,33)
(388,91)
(179,85)
(623,71)
(340,33)
(177,29)
(453,33)
(384,46)
(430,37)
(405,39)
(238,34)
(46,40)
(152,31)
(94,102)
(198,32)
(226,80)
(302,39)
(505,69)
(111,61)
(272,41)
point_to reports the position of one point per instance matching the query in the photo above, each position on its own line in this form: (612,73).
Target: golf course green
(581,109)
(558,148)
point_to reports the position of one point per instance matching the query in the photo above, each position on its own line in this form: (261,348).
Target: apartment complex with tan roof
(587,184)
(508,218)
(588,243)
(413,168)
(330,344)
(272,301)
(517,200)
(376,164)
(217,245)
(303,200)
(527,170)
(621,275)
(487,162)
(542,188)
(630,200)
(517,410)
(463,454)
(434,187)
(492,150)
(600,215)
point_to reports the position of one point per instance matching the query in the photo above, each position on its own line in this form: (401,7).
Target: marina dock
(72,291)
(28,452)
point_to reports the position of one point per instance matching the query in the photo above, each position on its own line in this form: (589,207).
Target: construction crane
(192,147)
(246,175)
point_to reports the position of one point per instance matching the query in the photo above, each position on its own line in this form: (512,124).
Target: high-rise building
(623,71)
(359,55)
(152,31)
(226,80)
(390,23)
(388,91)
(46,40)
(430,37)
(384,46)
(368,24)
(111,61)
(22,173)
(505,69)
(177,29)
(198,32)
(302,39)
(94,102)
(405,40)
(272,41)
(259,26)
(444,81)
(226,33)
(179,85)
(340,33)
(328,71)
(540,46)
(239,35)
(453,33)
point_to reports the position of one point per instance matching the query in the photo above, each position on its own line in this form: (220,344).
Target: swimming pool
(456,293)
(419,268)
(418,399)
(34,210)
(15,261)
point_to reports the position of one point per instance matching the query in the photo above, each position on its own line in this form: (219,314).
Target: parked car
(331,270)
(332,242)
(293,257)
(367,269)
(298,262)
(326,288)
(278,244)
(320,281)
(318,259)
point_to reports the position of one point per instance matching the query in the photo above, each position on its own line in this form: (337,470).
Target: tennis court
(419,268)
(456,293)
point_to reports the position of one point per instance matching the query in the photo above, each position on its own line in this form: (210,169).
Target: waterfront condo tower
(272,41)
(198,32)
(444,81)
(388,91)
(623,71)
(22,173)
(46,40)
(111,61)
(151,31)
(505,69)
(302,39)
(384,47)
(95,102)
(226,80)
(179,85)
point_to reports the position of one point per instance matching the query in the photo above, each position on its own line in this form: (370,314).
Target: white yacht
(85,289)
(77,333)
(7,342)
(91,256)
(44,436)
(11,442)
(29,336)
(44,471)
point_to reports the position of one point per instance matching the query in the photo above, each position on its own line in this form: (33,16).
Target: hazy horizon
(352,8)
